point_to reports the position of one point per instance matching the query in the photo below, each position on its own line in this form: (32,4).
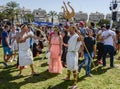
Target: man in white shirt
(109,45)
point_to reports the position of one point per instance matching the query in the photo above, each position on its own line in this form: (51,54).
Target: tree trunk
(12,20)
(52,19)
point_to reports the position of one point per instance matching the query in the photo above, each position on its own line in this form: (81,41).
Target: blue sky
(79,5)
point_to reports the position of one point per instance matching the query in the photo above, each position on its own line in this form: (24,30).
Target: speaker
(114,16)
(115,6)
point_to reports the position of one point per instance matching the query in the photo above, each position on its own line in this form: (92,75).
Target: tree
(11,10)
(2,15)
(103,21)
(17,14)
(52,15)
(29,17)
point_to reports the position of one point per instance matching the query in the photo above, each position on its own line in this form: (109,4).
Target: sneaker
(74,87)
(89,75)
(100,62)
(5,64)
(15,59)
(11,60)
(112,67)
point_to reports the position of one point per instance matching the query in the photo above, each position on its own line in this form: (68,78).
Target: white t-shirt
(100,32)
(108,40)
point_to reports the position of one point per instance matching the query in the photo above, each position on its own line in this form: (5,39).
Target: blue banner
(43,23)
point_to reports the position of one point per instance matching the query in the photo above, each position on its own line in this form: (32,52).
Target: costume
(72,54)
(25,54)
(55,64)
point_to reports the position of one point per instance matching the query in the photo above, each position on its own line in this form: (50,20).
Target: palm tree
(29,17)
(2,15)
(17,14)
(52,15)
(11,10)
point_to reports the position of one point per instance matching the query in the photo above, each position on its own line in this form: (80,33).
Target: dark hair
(108,26)
(103,26)
(117,31)
(6,26)
(38,33)
(92,24)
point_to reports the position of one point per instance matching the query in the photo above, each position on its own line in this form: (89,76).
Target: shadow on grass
(95,68)
(62,85)
(82,78)
(0,46)
(34,79)
(39,58)
(66,84)
(99,70)
(6,78)
(44,64)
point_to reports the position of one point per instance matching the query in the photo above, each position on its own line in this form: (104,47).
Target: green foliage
(52,15)
(29,17)
(11,10)
(2,15)
(12,5)
(103,21)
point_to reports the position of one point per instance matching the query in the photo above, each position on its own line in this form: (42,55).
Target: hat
(82,23)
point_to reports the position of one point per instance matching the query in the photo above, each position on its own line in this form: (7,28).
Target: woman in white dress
(25,54)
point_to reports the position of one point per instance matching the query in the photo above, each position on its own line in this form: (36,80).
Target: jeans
(108,49)
(87,63)
(100,51)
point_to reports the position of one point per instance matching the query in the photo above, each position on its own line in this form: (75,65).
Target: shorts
(7,51)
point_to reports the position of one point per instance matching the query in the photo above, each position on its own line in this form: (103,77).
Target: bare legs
(32,69)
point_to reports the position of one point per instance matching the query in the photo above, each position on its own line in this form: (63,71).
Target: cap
(82,23)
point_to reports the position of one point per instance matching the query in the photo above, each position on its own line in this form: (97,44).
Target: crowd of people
(66,44)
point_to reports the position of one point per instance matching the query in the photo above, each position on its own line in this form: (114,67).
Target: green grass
(103,78)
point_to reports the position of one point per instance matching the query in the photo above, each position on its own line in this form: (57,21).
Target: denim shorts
(7,51)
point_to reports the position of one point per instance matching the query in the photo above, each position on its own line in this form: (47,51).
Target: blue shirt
(4,36)
(83,32)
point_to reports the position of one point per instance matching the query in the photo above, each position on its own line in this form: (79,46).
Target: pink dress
(55,65)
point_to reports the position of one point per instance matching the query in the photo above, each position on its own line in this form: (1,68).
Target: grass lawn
(103,78)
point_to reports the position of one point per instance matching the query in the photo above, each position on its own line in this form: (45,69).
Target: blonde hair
(56,29)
